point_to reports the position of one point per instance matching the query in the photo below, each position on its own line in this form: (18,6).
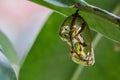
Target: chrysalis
(76,33)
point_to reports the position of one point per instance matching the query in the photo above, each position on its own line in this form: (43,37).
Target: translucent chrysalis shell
(76,33)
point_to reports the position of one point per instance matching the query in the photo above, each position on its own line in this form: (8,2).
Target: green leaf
(98,19)
(6,70)
(48,59)
(107,65)
(102,26)
(8,49)
(106,4)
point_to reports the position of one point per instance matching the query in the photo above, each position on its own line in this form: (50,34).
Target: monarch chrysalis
(75,31)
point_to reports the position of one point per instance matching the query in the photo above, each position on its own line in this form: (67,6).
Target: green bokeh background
(49,59)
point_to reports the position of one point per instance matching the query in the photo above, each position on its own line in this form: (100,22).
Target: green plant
(51,62)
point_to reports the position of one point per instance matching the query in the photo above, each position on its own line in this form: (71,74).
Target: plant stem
(96,40)
(80,67)
(77,72)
